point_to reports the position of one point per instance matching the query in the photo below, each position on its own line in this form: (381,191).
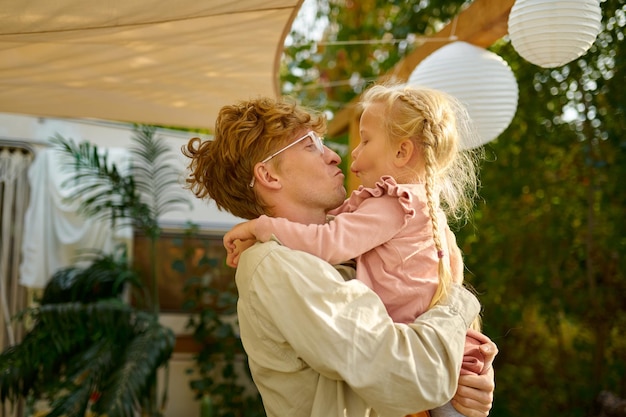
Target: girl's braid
(430,130)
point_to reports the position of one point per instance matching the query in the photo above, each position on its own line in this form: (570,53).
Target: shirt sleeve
(347,236)
(342,330)
(446,410)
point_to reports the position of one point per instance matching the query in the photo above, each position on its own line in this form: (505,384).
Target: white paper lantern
(551,33)
(480,79)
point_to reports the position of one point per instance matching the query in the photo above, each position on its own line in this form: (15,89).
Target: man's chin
(341,196)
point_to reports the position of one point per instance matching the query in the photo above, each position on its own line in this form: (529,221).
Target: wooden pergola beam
(481,24)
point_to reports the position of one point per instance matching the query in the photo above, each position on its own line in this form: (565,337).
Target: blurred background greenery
(545,247)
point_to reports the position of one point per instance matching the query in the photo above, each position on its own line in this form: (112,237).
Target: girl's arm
(347,236)
(242,231)
(238,239)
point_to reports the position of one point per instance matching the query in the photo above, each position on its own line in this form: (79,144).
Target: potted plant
(88,349)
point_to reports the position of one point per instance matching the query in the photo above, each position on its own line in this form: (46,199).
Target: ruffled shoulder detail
(385,187)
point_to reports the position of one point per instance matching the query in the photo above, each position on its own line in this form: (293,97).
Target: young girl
(411,169)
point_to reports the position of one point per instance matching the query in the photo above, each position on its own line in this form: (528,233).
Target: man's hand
(474,395)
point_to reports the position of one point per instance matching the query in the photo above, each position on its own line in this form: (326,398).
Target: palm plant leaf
(74,322)
(151,347)
(18,369)
(106,277)
(155,177)
(104,346)
(150,189)
(100,187)
(28,368)
(73,403)
(90,365)
(79,306)
(69,331)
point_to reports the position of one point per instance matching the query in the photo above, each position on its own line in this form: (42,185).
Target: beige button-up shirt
(320,346)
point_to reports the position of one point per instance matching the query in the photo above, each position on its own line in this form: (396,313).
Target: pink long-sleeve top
(388,231)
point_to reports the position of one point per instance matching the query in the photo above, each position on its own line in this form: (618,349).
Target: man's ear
(404,152)
(266,177)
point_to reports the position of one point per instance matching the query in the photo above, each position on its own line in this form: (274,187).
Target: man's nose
(330,156)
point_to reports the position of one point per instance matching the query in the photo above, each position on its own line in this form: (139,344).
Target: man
(319,345)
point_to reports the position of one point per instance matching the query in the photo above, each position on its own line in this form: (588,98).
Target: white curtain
(40,231)
(54,231)
(15,158)
(14,162)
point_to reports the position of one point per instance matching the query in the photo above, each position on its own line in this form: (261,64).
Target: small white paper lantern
(551,33)
(478,78)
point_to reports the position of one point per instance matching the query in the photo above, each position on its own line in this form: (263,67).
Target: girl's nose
(354,153)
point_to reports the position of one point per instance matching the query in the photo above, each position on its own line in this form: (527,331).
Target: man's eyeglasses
(317,141)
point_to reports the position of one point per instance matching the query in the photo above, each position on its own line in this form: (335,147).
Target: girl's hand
(232,256)
(238,239)
(242,231)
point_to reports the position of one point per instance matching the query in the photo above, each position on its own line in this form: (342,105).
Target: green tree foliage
(362,41)
(546,246)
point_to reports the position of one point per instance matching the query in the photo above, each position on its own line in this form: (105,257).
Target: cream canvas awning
(170,63)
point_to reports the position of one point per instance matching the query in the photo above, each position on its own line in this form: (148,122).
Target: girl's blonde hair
(438,124)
